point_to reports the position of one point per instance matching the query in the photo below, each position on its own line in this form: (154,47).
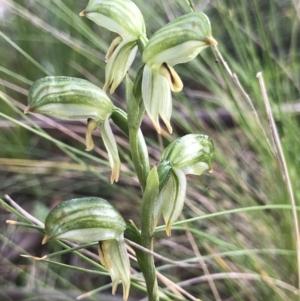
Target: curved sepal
(171,199)
(119,61)
(112,150)
(114,258)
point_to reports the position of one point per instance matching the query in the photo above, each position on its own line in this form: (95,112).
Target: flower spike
(179,41)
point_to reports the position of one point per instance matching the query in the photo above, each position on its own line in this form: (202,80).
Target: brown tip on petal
(125,293)
(90,148)
(83,13)
(89,143)
(113,47)
(170,129)
(167,123)
(173,78)
(158,129)
(112,89)
(45,239)
(156,125)
(105,87)
(114,178)
(114,287)
(168,229)
(211,41)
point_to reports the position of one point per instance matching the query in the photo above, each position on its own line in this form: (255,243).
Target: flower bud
(124,18)
(69,98)
(92,219)
(177,42)
(190,154)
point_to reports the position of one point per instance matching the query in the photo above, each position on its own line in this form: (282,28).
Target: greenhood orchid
(190,154)
(93,219)
(69,98)
(124,18)
(179,41)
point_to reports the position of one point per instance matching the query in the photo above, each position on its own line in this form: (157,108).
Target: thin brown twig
(165,259)
(24,212)
(282,163)
(236,81)
(203,265)
(241,277)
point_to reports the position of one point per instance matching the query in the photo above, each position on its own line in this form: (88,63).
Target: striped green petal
(180,40)
(119,61)
(171,199)
(112,150)
(157,97)
(68,98)
(192,154)
(120,16)
(114,258)
(84,220)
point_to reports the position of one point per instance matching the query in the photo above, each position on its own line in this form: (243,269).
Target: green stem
(138,146)
(147,263)
(135,115)
(140,164)
(148,180)
(147,232)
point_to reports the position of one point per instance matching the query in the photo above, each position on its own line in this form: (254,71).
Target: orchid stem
(140,159)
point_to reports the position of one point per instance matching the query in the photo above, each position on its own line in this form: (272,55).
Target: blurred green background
(242,225)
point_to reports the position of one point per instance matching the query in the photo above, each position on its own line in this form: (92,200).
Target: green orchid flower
(190,154)
(177,42)
(69,98)
(124,18)
(90,219)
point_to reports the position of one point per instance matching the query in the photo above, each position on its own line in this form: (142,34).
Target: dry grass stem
(24,212)
(203,265)
(282,164)
(236,81)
